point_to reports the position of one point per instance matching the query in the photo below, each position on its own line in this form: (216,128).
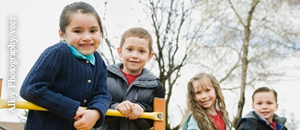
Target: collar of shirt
(79,55)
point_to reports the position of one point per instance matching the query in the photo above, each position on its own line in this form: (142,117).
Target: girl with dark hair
(70,76)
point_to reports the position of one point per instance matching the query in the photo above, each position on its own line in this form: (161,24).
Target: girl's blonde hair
(199,113)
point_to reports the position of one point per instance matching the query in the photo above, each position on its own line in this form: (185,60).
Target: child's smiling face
(135,53)
(265,105)
(205,94)
(83,33)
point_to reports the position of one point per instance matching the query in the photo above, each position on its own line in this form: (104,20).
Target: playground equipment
(158,115)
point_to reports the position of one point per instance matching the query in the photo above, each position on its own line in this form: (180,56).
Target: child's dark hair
(76,7)
(264,89)
(137,32)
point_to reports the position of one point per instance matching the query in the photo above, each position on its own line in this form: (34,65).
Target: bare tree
(244,58)
(167,24)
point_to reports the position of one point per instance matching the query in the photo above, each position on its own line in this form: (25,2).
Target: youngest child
(264,103)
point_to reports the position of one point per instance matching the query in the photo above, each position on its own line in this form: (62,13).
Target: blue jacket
(61,83)
(191,124)
(252,121)
(141,91)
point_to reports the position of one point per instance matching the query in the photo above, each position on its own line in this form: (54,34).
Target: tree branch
(236,13)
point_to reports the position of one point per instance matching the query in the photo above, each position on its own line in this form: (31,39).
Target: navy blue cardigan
(61,83)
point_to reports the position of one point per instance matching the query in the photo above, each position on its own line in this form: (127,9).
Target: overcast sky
(36,29)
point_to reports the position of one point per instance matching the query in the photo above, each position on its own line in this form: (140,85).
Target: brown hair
(264,89)
(199,113)
(76,7)
(137,32)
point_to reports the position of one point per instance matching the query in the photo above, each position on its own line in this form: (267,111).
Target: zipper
(136,95)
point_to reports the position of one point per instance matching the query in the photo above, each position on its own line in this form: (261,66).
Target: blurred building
(11,126)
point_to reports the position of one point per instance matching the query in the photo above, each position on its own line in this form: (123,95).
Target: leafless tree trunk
(245,61)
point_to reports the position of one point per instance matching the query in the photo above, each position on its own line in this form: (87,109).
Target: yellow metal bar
(21,105)
(28,105)
(147,115)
